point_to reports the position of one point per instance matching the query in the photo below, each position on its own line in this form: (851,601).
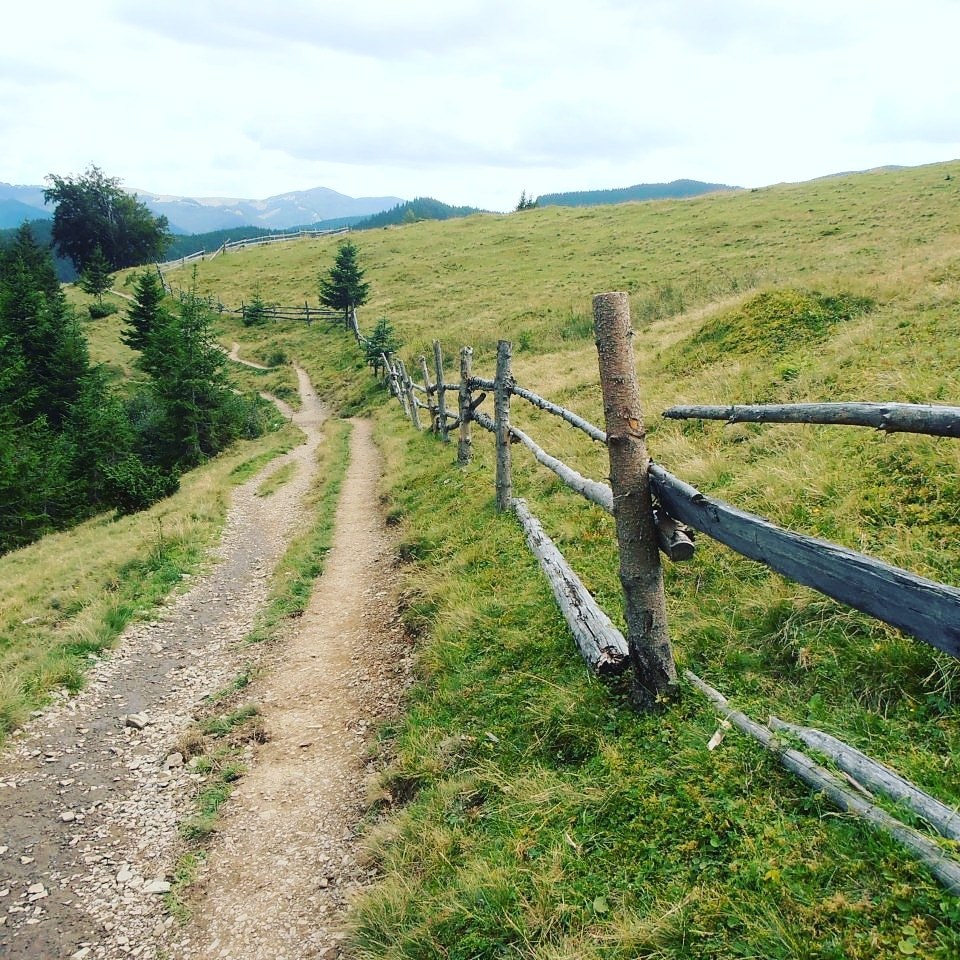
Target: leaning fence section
(656,513)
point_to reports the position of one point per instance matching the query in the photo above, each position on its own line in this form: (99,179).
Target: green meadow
(526,810)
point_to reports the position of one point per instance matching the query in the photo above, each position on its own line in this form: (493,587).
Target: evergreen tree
(147,310)
(96,278)
(343,287)
(382,341)
(191,412)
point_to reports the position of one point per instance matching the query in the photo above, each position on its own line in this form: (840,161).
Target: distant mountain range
(204,214)
(676,189)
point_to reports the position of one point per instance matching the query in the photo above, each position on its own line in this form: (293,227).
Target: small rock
(173,761)
(68,816)
(81,954)
(36,888)
(125,875)
(26,860)
(157,886)
(136,720)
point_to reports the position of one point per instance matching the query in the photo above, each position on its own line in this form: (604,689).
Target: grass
(67,597)
(276,480)
(530,813)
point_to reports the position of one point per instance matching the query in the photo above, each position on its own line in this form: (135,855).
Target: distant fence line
(652,509)
(262,311)
(232,245)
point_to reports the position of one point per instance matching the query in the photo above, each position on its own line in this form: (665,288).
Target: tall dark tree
(59,429)
(343,287)
(193,413)
(93,210)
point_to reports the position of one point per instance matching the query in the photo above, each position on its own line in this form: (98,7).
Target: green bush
(133,485)
(100,310)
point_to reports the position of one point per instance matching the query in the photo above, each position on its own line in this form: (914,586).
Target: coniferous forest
(71,445)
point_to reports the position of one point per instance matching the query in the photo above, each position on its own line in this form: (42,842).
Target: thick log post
(503,381)
(441,393)
(428,387)
(465,403)
(407,385)
(655,676)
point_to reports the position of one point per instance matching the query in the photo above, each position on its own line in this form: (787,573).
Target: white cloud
(472,100)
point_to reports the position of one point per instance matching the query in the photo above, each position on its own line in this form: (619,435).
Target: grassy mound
(770,324)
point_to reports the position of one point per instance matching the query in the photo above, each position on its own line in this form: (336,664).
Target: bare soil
(91,805)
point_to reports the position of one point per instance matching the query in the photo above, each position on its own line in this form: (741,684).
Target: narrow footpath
(91,801)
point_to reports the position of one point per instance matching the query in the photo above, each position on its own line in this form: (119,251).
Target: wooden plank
(597,493)
(927,419)
(947,871)
(601,644)
(923,608)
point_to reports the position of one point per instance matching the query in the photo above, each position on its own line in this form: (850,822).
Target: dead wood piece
(927,419)
(876,776)
(601,645)
(946,870)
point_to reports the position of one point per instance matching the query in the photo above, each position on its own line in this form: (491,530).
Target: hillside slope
(529,813)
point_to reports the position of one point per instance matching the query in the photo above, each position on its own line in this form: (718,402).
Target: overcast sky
(472,101)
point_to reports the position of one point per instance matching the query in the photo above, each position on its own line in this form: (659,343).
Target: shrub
(100,310)
(132,485)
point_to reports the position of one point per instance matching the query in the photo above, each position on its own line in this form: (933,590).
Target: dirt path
(91,803)
(286,861)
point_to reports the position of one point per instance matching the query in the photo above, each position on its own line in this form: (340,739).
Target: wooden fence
(265,311)
(652,509)
(232,245)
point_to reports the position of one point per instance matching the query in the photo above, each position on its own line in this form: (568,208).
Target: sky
(472,101)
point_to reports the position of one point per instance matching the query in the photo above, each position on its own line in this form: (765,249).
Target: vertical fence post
(441,392)
(464,399)
(411,399)
(501,409)
(431,403)
(655,676)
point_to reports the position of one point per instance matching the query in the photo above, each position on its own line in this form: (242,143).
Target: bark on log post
(501,418)
(441,393)
(465,403)
(431,403)
(655,675)
(398,386)
(407,384)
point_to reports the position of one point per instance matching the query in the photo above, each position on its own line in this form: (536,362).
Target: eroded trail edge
(91,803)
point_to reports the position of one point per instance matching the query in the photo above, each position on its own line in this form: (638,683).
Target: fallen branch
(946,870)
(601,644)
(876,776)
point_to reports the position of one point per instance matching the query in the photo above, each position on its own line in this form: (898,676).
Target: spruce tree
(343,287)
(96,277)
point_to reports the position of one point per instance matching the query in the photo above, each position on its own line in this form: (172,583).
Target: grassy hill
(527,811)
